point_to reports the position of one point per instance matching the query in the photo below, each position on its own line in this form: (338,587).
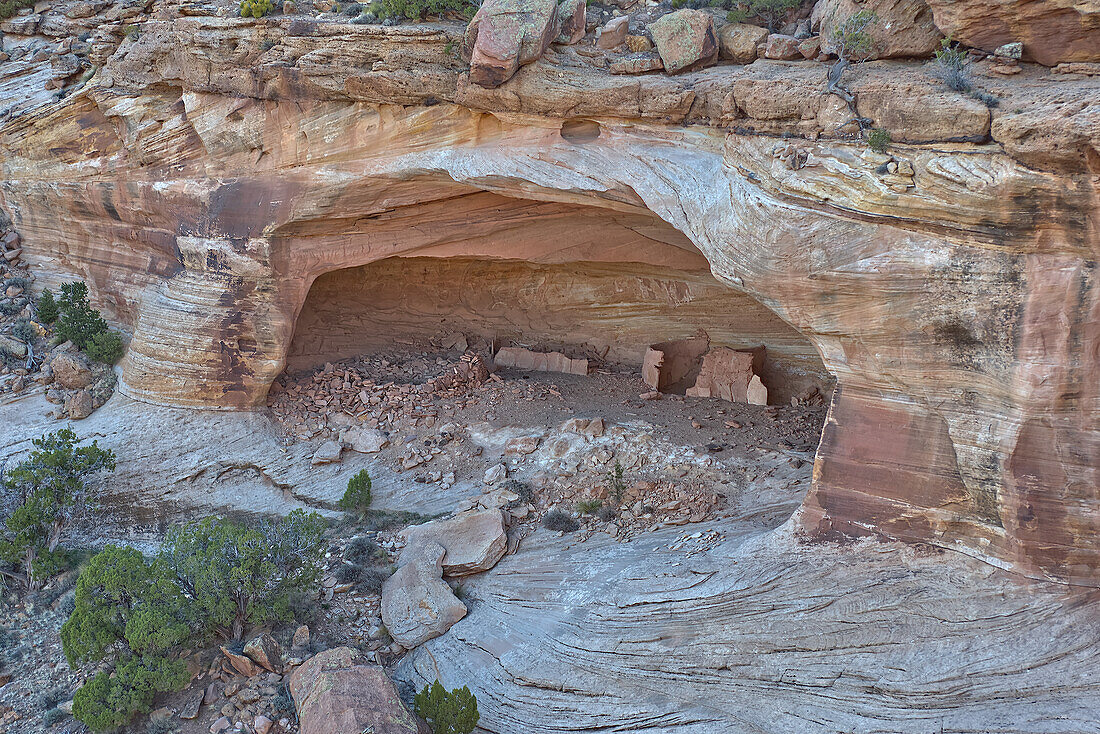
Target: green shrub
(559,520)
(49,698)
(77,321)
(9,8)
(878,139)
(363,550)
(106,347)
(53,716)
(952,61)
(357,496)
(453,712)
(589,506)
(10,309)
(416,9)
(52,486)
(24,331)
(616,487)
(108,701)
(256,8)
(237,575)
(129,614)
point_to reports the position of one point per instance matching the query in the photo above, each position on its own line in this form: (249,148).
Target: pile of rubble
(360,390)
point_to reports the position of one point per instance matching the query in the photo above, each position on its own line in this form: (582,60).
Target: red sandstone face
(953,295)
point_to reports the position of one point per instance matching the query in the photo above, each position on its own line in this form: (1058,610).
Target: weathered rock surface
(685,39)
(474,541)
(738,41)
(758,633)
(70,371)
(337,692)
(902,28)
(505,34)
(366,440)
(417,604)
(1053,31)
(265,652)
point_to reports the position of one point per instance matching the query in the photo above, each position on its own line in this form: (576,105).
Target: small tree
(772,11)
(78,322)
(357,496)
(952,61)
(616,487)
(52,493)
(105,347)
(128,614)
(851,43)
(237,575)
(453,712)
(47,307)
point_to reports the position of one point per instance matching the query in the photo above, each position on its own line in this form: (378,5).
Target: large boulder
(505,34)
(474,540)
(738,42)
(686,40)
(71,371)
(79,405)
(1053,31)
(902,28)
(417,604)
(337,692)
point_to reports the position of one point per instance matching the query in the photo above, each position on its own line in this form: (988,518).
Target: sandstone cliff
(211,169)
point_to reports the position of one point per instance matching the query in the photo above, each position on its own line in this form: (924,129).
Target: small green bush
(357,496)
(128,614)
(447,712)
(878,139)
(589,506)
(109,701)
(10,309)
(615,485)
(558,520)
(49,698)
(9,8)
(256,8)
(416,9)
(851,40)
(106,347)
(77,321)
(53,716)
(47,307)
(363,551)
(24,331)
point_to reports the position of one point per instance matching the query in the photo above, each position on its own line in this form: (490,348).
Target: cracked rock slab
(474,541)
(416,603)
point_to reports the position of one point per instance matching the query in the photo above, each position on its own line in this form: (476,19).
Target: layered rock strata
(214,168)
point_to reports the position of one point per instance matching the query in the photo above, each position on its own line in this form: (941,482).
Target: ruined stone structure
(213,169)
